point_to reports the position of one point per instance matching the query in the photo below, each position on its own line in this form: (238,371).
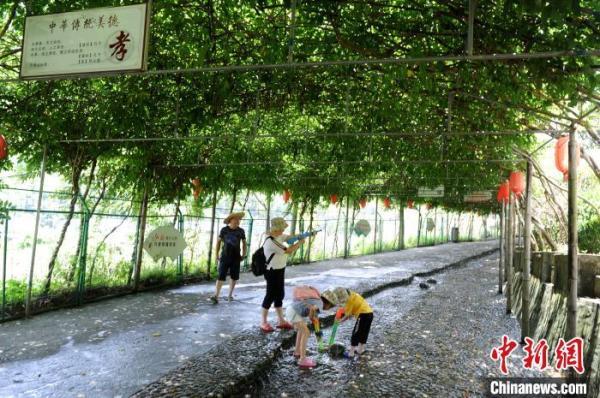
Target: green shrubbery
(589,236)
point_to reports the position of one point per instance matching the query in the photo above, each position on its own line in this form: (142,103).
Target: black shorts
(229,266)
(362,327)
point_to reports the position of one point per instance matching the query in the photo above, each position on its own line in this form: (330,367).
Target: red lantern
(362,203)
(387,203)
(286,196)
(517,183)
(197,188)
(3,148)
(561,155)
(503,192)
(410,204)
(333,198)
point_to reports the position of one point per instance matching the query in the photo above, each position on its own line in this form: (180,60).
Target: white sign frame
(426,192)
(165,241)
(68,45)
(478,197)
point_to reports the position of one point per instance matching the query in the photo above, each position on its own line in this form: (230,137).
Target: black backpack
(259,261)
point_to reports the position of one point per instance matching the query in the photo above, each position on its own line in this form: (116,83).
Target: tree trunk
(246,200)
(268,209)
(525,275)
(301,228)
(351,228)
(212,234)
(310,227)
(140,249)
(75,189)
(510,252)
(294,218)
(573,265)
(419,228)
(502,250)
(591,162)
(93,266)
(335,235)
(75,261)
(163,263)
(545,234)
(401,228)
(135,244)
(233,201)
(346,229)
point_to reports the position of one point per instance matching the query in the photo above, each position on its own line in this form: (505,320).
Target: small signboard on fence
(478,197)
(164,241)
(426,192)
(84,42)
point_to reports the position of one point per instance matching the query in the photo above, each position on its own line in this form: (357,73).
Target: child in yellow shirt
(354,306)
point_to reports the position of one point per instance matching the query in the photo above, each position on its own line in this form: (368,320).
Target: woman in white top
(276,253)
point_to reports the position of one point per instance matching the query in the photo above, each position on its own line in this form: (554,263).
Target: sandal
(267,328)
(214,299)
(307,363)
(285,325)
(348,356)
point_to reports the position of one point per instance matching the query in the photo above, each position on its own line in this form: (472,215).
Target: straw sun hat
(278,224)
(336,296)
(238,215)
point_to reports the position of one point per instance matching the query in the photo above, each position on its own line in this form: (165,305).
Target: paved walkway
(424,343)
(114,347)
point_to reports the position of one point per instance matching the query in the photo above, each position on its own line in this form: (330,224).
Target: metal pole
(419,226)
(180,257)
(401,229)
(301,226)
(212,233)
(321,64)
(346,227)
(447,226)
(510,251)
(375,227)
(324,239)
(361,134)
(502,249)
(472,7)
(525,275)
(249,243)
(381,229)
(4,266)
(35,232)
(435,226)
(571,331)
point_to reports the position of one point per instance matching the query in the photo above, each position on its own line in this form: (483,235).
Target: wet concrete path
(423,343)
(114,347)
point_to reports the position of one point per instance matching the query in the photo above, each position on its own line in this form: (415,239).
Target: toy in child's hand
(338,316)
(318,333)
(303,235)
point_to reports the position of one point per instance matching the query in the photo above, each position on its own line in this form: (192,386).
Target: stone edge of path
(229,368)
